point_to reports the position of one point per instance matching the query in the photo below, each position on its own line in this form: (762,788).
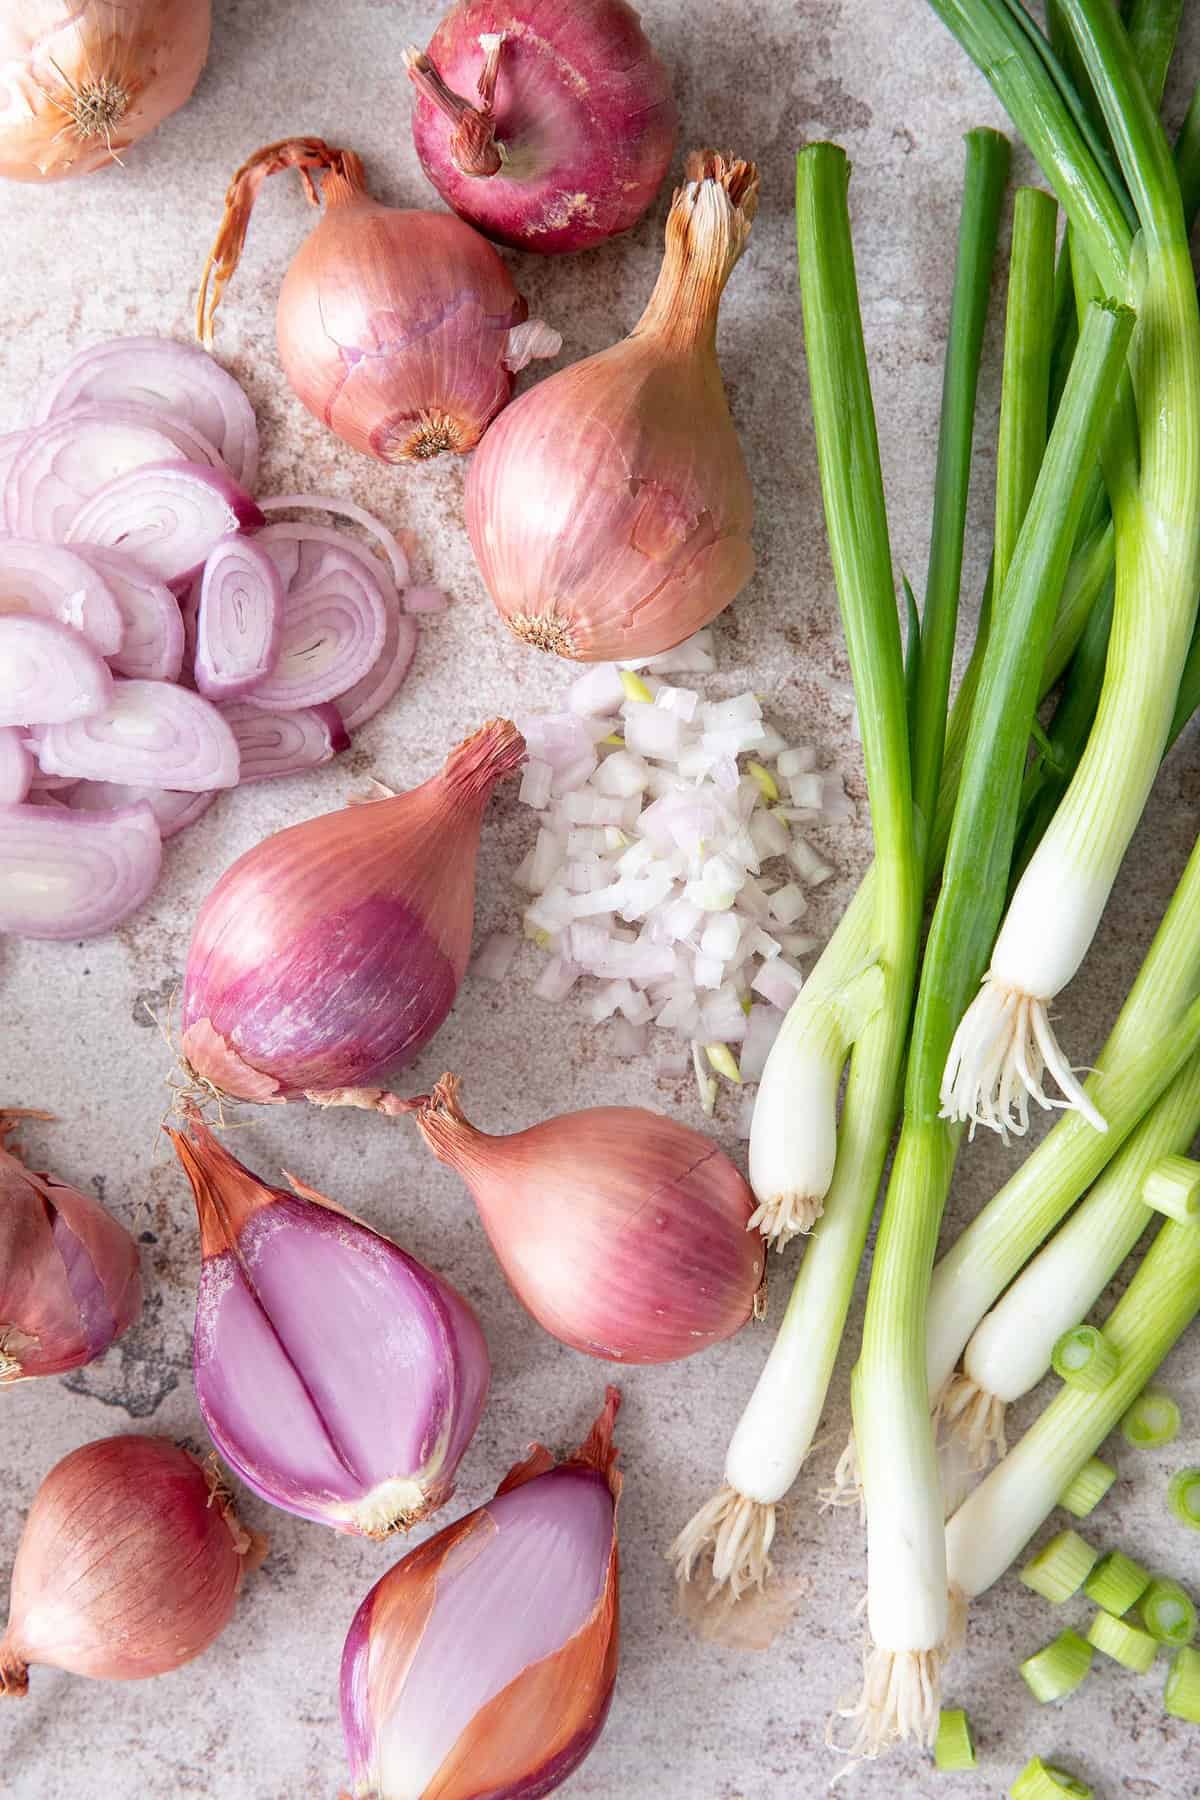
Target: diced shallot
(283,743)
(149,733)
(167,516)
(54,583)
(71,874)
(778,982)
(239,620)
(48,673)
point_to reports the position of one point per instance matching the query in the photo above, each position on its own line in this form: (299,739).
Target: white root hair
(975,1418)
(737,1533)
(1002,1048)
(900,1702)
(786,1216)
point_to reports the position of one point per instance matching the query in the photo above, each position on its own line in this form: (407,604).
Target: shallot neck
(707,229)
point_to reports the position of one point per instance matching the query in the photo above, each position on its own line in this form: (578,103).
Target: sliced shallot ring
(174,811)
(11,445)
(167,516)
(59,584)
(180,380)
(151,734)
(334,619)
(16,766)
(284,743)
(48,673)
(72,875)
(239,622)
(152,642)
(73,456)
(384,681)
(347,509)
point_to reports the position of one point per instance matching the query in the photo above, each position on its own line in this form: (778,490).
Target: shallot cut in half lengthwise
(69,1280)
(550,126)
(484,1662)
(640,534)
(338,1377)
(624,1233)
(330,954)
(129,1565)
(399,330)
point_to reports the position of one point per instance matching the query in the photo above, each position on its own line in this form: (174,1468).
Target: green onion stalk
(1005,1044)
(995,1522)
(880,930)
(907,1597)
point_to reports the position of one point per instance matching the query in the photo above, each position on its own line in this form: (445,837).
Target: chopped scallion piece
(1127,1644)
(1061,1567)
(1042,1781)
(1173,1187)
(1056,1671)
(953,1748)
(1168,1612)
(722,1059)
(1084,1357)
(1184,1497)
(615,740)
(1152,1420)
(1181,1696)
(1116,1582)
(635,687)
(1089,1487)
(765,782)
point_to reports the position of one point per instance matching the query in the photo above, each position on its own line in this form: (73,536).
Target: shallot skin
(83,82)
(582,111)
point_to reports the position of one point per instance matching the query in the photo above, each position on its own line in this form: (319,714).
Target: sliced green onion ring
(1183,1495)
(1173,1187)
(953,1748)
(1061,1567)
(1042,1781)
(1084,1357)
(1152,1420)
(1056,1671)
(1168,1612)
(1117,1582)
(1128,1645)
(1084,1494)
(1181,1696)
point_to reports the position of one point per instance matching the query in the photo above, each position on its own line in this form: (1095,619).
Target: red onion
(150,733)
(624,1233)
(48,673)
(334,619)
(570,124)
(16,766)
(239,619)
(70,458)
(338,1377)
(151,644)
(84,81)
(58,584)
(332,952)
(177,379)
(167,516)
(69,1280)
(393,326)
(129,1566)
(70,874)
(640,534)
(483,1663)
(283,743)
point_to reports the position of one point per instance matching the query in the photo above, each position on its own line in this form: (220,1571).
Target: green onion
(1056,1671)
(765,782)
(1173,1187)
(1132,1648)
(635,687)
(1168,1612)
(1085,1357)
(1116,1582)
(1060,1568)
(1181,1696)
(1084,1493)
(1152,1420)
(1183,1493)
(953,1748)
(1042,1781)
(722,1059)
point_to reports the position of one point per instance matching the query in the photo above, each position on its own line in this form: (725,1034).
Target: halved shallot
(167,516)
(48,673)
(59,584)
(73,874)
(150,733)
(239,619)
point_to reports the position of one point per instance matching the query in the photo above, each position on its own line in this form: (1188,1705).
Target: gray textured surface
(255,1719)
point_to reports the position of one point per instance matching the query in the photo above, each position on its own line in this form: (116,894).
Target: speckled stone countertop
(120,252)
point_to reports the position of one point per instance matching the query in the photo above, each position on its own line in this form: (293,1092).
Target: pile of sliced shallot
(159,639)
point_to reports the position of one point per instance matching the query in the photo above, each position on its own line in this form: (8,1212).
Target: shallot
(624,1233)
(641,529)
(483,1663)
(549,127)
(129,1565)
(395,327)
(83,82)
(332,952)
(69,1279)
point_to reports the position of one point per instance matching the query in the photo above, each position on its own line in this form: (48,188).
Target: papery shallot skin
(483,1664)
(337,1376)
(69,1277)
(330,954)
(583,111)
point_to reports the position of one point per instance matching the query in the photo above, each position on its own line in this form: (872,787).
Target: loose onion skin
(572,127)
(129,1565)
(82,82)
(624,1233)
(393,326)
(641,531)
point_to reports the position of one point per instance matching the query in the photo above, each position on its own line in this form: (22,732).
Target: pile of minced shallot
(670,867)
(160,637)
